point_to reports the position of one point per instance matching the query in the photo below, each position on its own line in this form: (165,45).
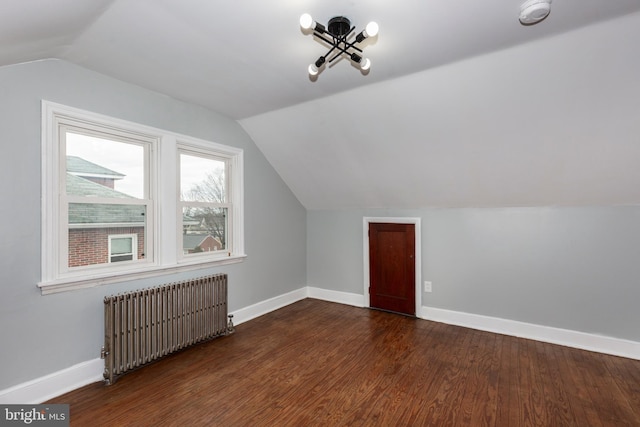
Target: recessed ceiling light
(534,11)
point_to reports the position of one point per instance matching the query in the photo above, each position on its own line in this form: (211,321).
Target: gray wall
(43,334)
(574,268)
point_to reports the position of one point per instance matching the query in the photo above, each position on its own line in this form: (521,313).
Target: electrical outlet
(427,286)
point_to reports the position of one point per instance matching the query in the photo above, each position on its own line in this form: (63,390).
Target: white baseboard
(256,310)
(565,337)
(52,385)
(49,386)
(336,296)
(272,304)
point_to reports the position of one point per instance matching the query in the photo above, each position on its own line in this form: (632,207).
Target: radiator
(147,324)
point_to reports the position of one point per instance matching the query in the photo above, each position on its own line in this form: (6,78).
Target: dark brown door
(392,267)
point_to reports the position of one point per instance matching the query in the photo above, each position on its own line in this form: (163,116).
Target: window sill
(93,280)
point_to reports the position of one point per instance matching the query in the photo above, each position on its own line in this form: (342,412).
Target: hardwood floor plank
(427,371)
(575,387)
(616,396)
(476,381)
(626,374)
(555,391)
(602,394)
(485,399)
(316,363)
(449,395)
(508,399)
(438,405)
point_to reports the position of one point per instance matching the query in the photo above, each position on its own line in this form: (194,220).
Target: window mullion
(105,200)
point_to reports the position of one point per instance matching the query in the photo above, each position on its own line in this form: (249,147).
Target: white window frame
(134,245)
(83,126)
(192,148)
(164,243)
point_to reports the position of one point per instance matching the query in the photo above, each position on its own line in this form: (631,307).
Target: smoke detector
(534,11)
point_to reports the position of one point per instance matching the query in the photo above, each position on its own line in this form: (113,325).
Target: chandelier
(337,34)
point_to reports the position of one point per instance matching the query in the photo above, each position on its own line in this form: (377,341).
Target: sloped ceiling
(463,105)
(555,122)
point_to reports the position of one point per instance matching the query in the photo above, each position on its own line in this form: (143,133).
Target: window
(123,247)
(103,180)
(204,207)
(105,193)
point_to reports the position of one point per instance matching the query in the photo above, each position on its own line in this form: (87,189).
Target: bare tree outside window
(205,210)
(212,220)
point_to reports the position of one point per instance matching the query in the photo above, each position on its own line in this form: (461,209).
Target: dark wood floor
(316,363)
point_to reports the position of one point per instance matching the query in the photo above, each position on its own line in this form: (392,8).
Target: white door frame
(418,255)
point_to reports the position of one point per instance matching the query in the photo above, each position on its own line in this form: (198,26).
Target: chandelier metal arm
(340,43)
(334,43)
(326,40)
(348,45)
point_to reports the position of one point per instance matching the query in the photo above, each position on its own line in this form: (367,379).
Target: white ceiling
(426,127)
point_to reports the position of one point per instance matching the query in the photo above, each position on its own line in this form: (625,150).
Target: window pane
(104,168)
(202,179)
(91,224)
(122,245)
(204,230)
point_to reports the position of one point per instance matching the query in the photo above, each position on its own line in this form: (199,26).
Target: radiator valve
(230,328)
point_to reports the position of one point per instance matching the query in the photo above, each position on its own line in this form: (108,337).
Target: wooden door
(392,267)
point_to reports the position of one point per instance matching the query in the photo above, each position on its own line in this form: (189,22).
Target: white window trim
(164,245)
(233,182)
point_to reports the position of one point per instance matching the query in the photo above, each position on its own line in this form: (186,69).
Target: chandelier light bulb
(313,70)
(371,30)
(365,64)
(306,21)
